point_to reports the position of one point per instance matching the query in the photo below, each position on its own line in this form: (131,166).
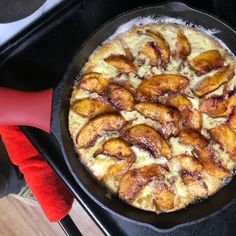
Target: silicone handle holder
(26,108)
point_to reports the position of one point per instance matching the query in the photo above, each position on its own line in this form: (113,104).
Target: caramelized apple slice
(191,137)
(118,148)
(120,97)
(165,198)
(232,119)
(179,101)
(151,89)
(96,127)
(189,163)
(91,107)
(214,81)
(217,106)
(147,138)
(211,164)
(115,171)
(231,96)
(214,106)
(192,119)
(134,180)
(206,61)
(122,63)
(196,187)
(183,47)
(168,117)
(150,51)
(94,82)
(162,46)
(226,137)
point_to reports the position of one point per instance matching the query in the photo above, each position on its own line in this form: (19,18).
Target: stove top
(37,59)
(17,15)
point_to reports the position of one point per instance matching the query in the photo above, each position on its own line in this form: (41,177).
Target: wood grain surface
(19,219)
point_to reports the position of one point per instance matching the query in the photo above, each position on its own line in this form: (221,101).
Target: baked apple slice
(115,171)
(190,173)
(165,198)
(122,63)
(162,46)
(192,119)
(232,119)
(231,97)
(94,82)
(134,180)
(183,47)
(98,126)
(148,138)
(179,101)
(120,97)
(215,106)
(168,117)
(191,137)
(211,164)
(214,81)
(118,148)
(189,163)
(150,51)
(196,187)
(151,89)
(226,137)
(91,107)
(206,61)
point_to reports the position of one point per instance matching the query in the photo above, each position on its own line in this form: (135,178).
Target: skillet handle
(26,108)
(176,6)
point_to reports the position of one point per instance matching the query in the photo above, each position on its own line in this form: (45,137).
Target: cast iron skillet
(34,109)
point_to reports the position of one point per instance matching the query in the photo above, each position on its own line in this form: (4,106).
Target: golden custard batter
(152,117)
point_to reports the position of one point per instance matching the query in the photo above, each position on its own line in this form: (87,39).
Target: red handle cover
(26,108)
